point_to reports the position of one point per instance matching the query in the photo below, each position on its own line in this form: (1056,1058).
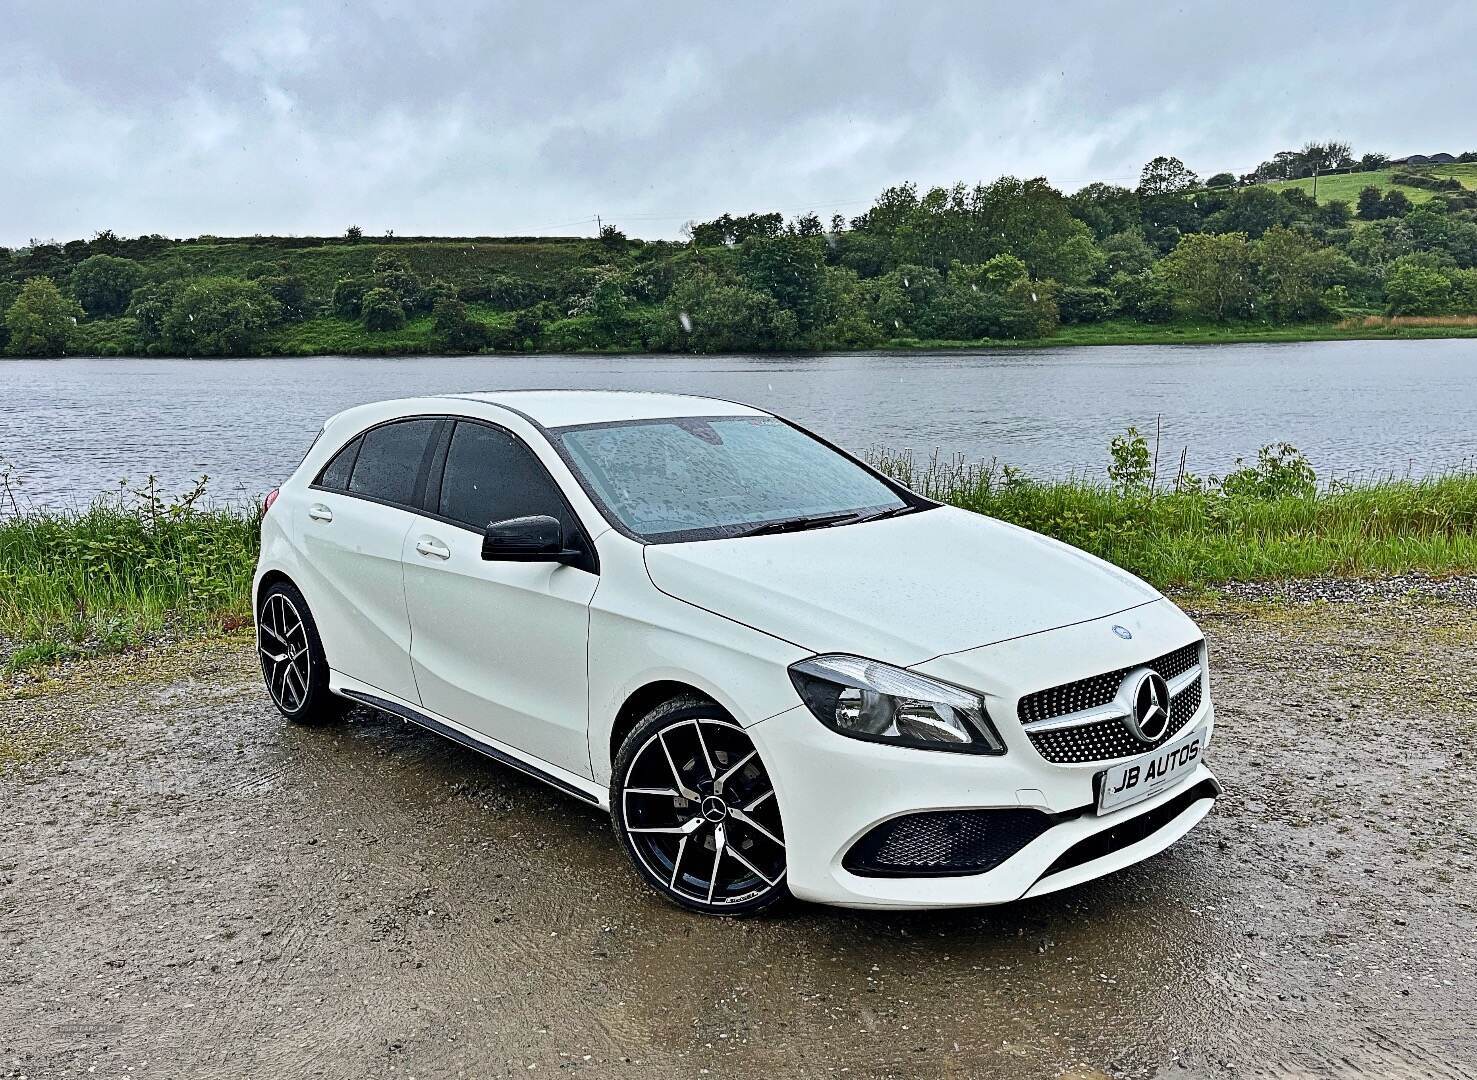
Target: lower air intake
(944,843)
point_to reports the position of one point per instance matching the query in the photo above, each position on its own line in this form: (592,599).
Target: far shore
(1096,334)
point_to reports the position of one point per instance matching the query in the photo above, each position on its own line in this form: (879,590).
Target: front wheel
(696,811)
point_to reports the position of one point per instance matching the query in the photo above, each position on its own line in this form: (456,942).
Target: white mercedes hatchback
(779,670)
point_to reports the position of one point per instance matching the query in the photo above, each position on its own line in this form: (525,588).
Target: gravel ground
(191,888)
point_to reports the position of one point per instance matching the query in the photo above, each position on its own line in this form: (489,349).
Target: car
(782,672)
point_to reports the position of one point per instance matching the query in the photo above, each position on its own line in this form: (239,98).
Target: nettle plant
(1280,470)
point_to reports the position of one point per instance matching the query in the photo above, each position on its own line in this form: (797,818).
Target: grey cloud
(511,118)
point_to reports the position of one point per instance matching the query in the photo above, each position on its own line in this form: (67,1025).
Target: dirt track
(189,887)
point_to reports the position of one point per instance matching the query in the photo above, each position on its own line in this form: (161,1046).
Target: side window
(335,475)
(490,475)
(390,459)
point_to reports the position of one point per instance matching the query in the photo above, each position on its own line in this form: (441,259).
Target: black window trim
(422,472)
(433,467)
(554,435)
(431,508)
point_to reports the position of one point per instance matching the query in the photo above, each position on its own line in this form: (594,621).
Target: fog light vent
(944,843)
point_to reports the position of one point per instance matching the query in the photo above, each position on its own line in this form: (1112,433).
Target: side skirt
(430,723)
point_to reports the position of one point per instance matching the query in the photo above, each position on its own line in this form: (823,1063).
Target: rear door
(499,647)
(357,515)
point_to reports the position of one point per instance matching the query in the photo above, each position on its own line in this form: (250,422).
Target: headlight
(880,703)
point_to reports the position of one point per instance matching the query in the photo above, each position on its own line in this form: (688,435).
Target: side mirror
(536,538)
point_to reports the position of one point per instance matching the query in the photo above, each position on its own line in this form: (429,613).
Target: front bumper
(833,790)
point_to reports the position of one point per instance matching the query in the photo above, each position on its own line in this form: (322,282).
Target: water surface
(72,428)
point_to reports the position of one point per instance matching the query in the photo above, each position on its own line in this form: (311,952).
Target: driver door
(499,647)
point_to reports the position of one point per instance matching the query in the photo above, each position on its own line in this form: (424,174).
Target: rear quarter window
(335,474)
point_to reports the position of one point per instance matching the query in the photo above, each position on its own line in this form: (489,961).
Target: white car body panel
(501,644)
(902,590)
(640,636)
(354,580)
(534,663)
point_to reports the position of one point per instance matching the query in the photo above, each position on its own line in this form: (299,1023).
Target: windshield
(698,478)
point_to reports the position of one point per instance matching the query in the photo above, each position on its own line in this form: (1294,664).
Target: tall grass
(136,565)
(1196,536)
(130,567)
(1368,322)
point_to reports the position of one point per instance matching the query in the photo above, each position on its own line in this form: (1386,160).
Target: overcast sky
(239,118)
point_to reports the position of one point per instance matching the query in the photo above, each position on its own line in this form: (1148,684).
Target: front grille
(1106,739)
(1133,830)
(944,843)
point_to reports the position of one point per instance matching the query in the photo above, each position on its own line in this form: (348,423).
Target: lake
(73,428)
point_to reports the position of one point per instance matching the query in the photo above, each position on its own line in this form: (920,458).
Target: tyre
(696,811)
(291,654)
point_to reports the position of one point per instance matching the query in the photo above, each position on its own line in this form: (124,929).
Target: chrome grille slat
(1078,722)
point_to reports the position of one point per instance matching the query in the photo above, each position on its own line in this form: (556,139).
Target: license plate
(1134,781)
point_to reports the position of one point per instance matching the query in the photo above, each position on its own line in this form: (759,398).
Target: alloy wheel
(700,813)
(282,641)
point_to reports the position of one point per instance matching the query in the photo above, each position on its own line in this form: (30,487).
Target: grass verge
(138,567)
(1127,332)
(129,569)
(1203,535)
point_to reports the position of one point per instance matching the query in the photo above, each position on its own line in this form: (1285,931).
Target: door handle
(319,512)
(432,548)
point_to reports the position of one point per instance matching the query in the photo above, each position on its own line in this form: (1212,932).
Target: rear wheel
(695,809)
(291,654)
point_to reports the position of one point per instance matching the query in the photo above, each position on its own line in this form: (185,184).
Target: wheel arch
(645,698)
(266,581)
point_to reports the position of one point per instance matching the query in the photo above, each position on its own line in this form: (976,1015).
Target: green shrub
(382,309)
(455,328)
(104,283)
(348,297)
(219,317)
(291,293)
(41,321)
(149,309)
(1413,289)
(1086,304)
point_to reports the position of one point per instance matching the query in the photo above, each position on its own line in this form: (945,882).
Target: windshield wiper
(796,524)
(896,511)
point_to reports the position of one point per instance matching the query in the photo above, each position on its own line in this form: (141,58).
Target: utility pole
(600,228)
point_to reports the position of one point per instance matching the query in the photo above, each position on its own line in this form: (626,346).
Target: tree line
(1009,260)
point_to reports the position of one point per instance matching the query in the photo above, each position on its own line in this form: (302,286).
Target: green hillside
(321,262)
(1008,261)
(1345,187)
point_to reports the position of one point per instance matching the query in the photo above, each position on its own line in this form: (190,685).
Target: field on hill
(1345,187)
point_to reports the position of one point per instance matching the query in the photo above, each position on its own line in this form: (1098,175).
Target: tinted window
(490,475)
(691,478)
(336,474)
(390,459)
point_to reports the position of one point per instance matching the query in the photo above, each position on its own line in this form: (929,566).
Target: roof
(559,408)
